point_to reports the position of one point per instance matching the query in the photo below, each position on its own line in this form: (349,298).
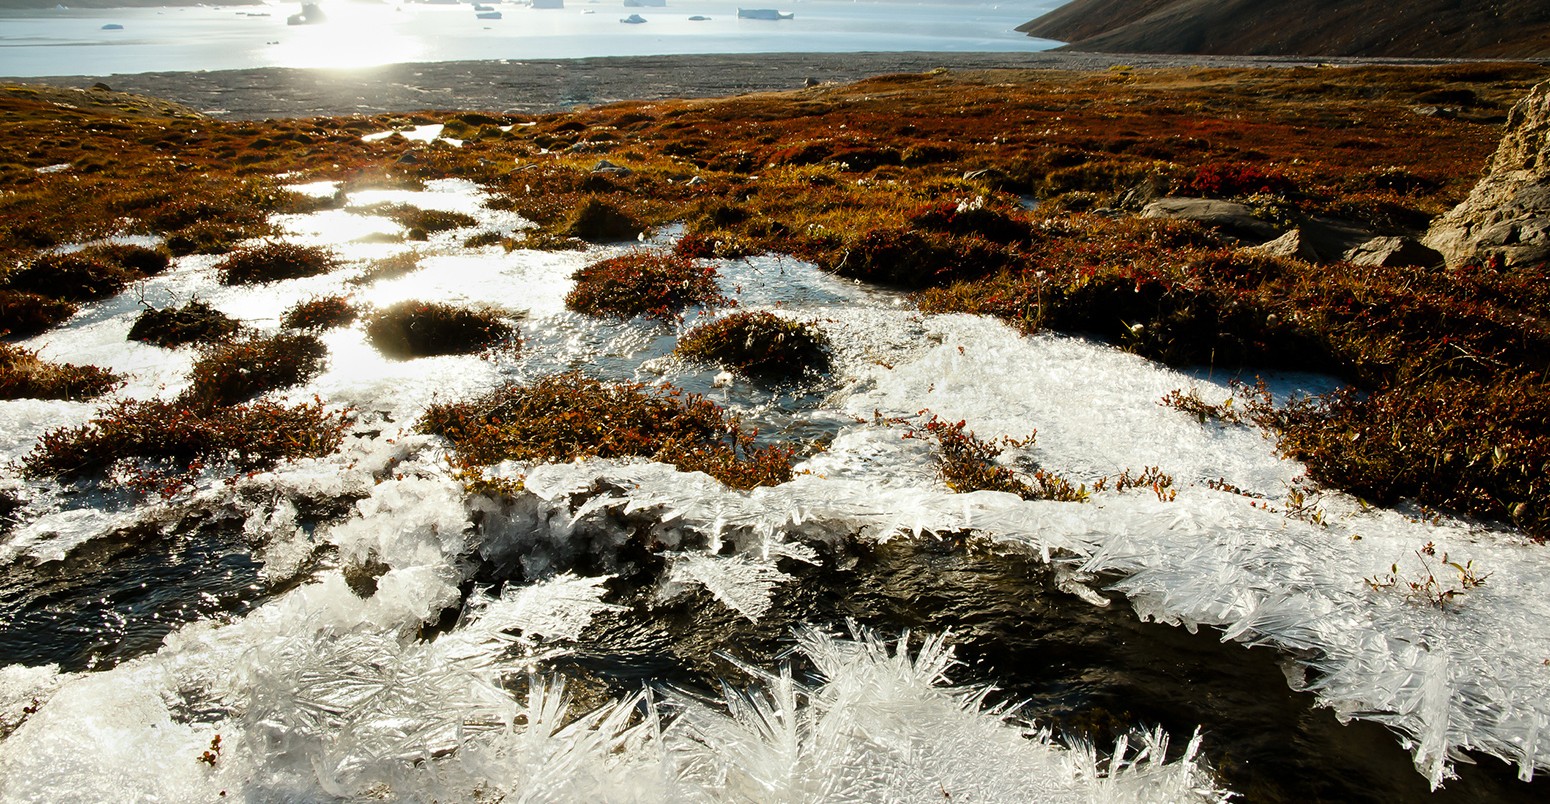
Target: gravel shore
(551,85)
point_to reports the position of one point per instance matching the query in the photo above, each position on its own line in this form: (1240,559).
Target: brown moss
(230,373)
(568,416)
(319,313)
(92,273)
(421,329)
(389,267)
(658,285)
(597,221)
(274,261)
(194,322)
(758,344)
(160,444)
(27,314)
(24,376)
(422,222)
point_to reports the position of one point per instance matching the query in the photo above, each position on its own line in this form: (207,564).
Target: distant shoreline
(44,5)
(539,86)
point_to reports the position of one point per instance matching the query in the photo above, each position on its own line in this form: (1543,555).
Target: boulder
(1506,218)
(1394,251)
(1292,245)
(1231,218)
(1331,240)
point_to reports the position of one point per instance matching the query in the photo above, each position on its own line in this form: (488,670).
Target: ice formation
(346,684)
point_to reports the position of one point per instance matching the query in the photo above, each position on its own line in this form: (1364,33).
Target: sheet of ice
(744,584)
(422,133)
(321,693)
(1466,675)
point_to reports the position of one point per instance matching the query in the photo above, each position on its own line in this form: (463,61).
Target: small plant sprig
(213,753)
(1150,477)
(969,464)
(7,729)
(1425,587)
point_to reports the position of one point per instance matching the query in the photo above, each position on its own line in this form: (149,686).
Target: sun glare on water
(351,35)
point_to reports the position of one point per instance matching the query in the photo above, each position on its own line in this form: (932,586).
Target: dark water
(1084,671)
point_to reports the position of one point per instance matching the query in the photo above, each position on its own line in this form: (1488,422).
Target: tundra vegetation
(1007,193)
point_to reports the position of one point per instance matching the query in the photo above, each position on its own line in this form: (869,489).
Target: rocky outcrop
(1506,218)
(1395,252)
(1323,241)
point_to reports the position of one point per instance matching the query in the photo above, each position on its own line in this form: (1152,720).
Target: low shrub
(235,372)
(194,322)
(758,344)
(319,314)
(1223,179)
(274,261)
(568,416)
(422,329)
(26,314)
(969,464)
(162,444)
(971,218)
(138,260)
(1473,445)
(656,284)
(212,237)
(24,376)
(913,258)
(422,222)
(71,277)
(389,267)
(597,221)
(483,239)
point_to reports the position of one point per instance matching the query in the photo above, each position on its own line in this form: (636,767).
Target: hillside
(1423,28)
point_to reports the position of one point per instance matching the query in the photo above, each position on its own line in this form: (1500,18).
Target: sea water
(66,41)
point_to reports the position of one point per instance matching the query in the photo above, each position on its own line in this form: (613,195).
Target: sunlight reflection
(353,35)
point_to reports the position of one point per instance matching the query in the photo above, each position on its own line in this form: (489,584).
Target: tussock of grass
(24,376)
(654,284)
(231,373)
(422,222)
(88,274)
(320,314)
(422,329)
(569,416)
(274,261)
(26,314)
(194,322)
(390,267)
(162,445)
(758,344)
(597,221)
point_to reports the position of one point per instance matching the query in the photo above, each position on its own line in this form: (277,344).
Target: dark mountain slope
(1421,28)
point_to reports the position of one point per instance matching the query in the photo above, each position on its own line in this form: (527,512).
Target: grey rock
(1331,239)
(1292,245)
(1229,217)
(1506,218)
(605,166)
(1394,251)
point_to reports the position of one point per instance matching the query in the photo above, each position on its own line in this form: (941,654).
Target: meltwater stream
(359,627)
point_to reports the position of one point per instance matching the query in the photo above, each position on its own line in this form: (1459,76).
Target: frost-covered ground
(320,688)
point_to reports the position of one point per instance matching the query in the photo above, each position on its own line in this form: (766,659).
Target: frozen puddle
(328,666)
